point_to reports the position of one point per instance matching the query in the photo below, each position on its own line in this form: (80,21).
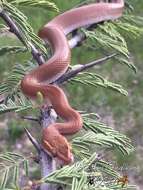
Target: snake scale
(39,79)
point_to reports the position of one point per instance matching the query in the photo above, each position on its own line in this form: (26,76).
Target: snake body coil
(55,33)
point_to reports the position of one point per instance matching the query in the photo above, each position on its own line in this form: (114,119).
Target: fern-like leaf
(29,38)
(37,3)
(19,105)
(12,50)
(78,175)
(101,135)
(95,80)
(11,164)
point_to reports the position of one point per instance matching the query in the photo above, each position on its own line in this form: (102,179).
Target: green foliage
(96,80)
(17,102)
(111,40)
(15,131)
(98,135)
(10,166)
(11,50)
(20,104)
(78,175)
(109,37)
(131,25)
(11,85)
(29,38)
(36,3)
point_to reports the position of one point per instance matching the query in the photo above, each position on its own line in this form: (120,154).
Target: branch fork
(48,115)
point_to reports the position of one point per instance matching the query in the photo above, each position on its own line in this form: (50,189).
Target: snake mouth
(65,159)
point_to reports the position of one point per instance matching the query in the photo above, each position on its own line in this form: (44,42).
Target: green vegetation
(123,113)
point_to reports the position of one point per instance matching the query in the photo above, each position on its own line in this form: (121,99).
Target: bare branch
(48,116)
(74,72)
(47,163)
(30,118)
(14,29)
(33,141)
(76,40)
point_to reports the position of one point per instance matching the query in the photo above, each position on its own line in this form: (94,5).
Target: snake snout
(66,159)
(64,152)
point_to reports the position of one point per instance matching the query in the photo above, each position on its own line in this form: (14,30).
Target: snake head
(58,146)
(64,149)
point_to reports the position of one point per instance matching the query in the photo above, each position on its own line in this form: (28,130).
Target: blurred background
(121,112)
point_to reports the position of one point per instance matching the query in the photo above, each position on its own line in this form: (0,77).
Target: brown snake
(38,79)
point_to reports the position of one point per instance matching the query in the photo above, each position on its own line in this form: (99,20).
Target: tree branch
(75,41)
(47,163)
(48,115)
(80,68)
(33,141)
(14,29)
(30,118)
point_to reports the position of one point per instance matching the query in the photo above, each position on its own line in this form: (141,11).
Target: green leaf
(37,3)
(26,167)
(4,178)
(112,39)
(127,62)
(11,165)
(16,175)
(7,158)
(15,106)
(95,80)
(11,50)
(29,38)
(74,183)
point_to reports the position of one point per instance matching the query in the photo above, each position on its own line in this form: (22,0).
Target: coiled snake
(36,81)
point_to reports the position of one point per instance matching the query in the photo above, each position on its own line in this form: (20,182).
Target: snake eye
(65,159)
(64,151)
